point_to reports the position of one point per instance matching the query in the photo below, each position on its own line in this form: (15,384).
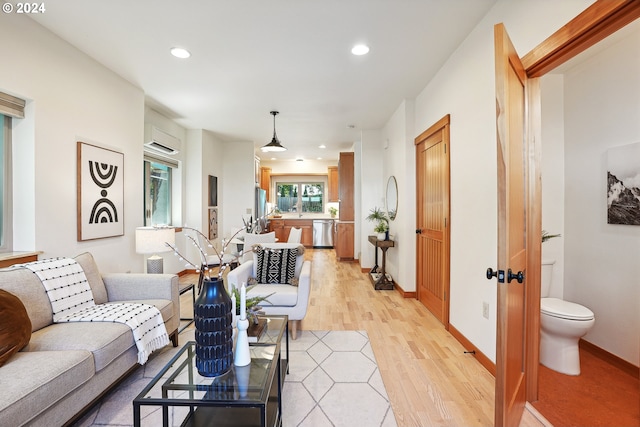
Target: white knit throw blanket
(72,301)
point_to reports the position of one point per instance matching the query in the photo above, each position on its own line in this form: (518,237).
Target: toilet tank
(545,277)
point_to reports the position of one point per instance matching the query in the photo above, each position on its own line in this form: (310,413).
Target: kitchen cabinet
(277,226)
(332,181)
(265,180)
(282,227)
(345,186)
(344,237)
(343,242)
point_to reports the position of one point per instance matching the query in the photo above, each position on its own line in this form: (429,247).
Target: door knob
(518,276)
(499,274)
(418,231)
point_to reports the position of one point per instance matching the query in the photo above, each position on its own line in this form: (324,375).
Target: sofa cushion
(94,278)
(275,265)
(33,381)
(105,340)
(25,285)
(15,326)
(283,295)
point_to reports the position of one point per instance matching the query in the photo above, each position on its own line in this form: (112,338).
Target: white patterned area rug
(334,381)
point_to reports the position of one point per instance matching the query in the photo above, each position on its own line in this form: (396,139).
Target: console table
(380,279)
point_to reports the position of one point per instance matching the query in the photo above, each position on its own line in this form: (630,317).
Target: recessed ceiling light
(273,158)
(179,52)
(322,146)
(319,158)
(360,49)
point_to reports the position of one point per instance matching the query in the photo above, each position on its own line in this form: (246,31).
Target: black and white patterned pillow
(276,265)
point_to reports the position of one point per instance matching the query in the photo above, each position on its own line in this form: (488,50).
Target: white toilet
(562,324)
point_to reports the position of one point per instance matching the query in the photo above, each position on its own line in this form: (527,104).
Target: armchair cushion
(276,265)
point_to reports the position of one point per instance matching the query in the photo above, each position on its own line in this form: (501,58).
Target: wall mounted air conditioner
(160,141)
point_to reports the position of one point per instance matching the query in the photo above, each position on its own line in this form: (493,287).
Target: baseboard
(610,358)
(405,294)
(468,345)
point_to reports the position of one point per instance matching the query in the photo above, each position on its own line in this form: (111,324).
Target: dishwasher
(323,233)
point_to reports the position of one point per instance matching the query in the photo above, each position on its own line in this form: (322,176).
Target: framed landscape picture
(623,185)
(100,192)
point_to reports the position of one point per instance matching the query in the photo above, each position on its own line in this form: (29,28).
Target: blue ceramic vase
(214,330)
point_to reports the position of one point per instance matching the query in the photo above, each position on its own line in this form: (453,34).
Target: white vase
(382,236)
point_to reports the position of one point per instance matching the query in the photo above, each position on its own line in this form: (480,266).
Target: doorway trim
(598,21)
(444,260)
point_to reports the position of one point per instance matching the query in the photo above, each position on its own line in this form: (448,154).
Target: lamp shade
(274,145)
(151,240)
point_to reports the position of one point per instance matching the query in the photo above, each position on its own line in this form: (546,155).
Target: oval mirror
(392,197)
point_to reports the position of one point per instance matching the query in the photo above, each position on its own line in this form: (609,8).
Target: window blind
(152,157)
(11,106)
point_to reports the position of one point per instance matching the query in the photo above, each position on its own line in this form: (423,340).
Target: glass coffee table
(245,396)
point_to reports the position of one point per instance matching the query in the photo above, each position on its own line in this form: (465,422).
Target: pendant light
(274,145)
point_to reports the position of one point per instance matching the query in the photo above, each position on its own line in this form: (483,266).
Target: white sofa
(67,367)
(287,299)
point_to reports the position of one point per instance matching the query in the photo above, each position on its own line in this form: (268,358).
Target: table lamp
(152,240)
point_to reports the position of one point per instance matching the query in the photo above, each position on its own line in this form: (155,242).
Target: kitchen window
(301,197)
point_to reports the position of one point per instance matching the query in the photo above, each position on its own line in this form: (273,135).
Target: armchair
(251,239)
(287,299)
(295,234)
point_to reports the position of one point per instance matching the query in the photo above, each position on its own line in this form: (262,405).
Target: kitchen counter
(293,215)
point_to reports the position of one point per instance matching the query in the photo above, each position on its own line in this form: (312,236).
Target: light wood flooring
(429,379)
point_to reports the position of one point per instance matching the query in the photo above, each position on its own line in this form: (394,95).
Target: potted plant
(382,227)
(333,212)
(252,304)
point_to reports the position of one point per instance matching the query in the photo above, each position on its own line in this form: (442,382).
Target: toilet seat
(564,309)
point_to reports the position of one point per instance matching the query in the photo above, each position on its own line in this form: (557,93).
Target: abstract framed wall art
(623,185)
(213,223)
(100,182)
(213,190)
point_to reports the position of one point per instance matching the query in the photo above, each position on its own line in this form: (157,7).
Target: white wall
(398,153)
(308,166)
(369,159)
(552,171)
(70,98)
(465,88)
(602,261)
(238,185)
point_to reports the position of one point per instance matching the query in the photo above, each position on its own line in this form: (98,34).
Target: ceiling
(249,57)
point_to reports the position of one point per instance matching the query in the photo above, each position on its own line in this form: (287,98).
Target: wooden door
(512,150)
(432,228)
